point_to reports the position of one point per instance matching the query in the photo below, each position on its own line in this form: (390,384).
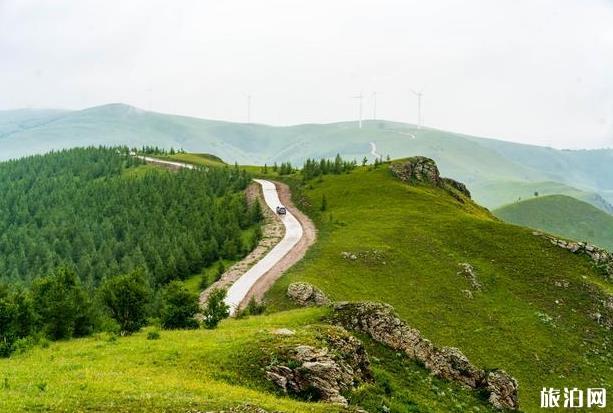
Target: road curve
(169,163)
(373,151)
(293,233)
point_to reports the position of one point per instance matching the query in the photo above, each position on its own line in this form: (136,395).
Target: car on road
(281,210)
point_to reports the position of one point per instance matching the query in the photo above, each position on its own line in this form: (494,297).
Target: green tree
(127,297)
(179,306)
(216,309)
(364,161)
(324,203)
(62,305)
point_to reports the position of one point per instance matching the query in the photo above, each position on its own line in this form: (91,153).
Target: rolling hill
(564,216)
(384,240)
(485,165)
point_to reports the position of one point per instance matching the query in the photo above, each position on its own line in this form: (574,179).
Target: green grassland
(409,241)
(206,369)
(562,215)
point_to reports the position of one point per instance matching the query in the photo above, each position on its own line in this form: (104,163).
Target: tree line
(73,222)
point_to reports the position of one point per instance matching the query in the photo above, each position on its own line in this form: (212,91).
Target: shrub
(126,297)
(153,335)
(179,306)
(216,309)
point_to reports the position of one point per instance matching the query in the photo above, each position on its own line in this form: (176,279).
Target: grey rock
(305,294)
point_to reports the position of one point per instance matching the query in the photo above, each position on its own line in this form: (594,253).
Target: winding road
(294,232)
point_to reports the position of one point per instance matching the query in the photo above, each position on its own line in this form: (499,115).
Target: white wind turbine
(374,105)
(419,117)
(361,98)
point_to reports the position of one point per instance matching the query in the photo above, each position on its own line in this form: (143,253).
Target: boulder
(305,294)
(322,374)
(417,169)
(502,389)
(458,186)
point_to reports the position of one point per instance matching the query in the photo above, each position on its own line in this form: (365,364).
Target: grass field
(206,369)
(564,216)
(409,241)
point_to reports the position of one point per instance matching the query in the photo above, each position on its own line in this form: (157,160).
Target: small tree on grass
(216,309)
(324,203)
(127,297)
(179,306)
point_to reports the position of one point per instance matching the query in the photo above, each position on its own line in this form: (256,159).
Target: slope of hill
(527,309)
(495,194)
(475,161)
(564,216)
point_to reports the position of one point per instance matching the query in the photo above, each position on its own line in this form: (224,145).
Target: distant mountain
(487,166)
(562,215)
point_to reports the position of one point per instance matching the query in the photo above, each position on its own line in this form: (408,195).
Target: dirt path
(296,254)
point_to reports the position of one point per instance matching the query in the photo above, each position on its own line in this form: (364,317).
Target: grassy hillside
(562,215)
(473,160)
(495,194)
(408,242)
(204,370)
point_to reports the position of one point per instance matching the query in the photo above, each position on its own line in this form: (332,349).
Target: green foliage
(16,318)
(179,306)
(314,169)
(216,309)
(153,335)
(62,305)
(324,203)
(81,208)
(126,298)
(564,216)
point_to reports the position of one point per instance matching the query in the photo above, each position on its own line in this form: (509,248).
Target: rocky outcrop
(419,169)
(458,186)
(468,272)
(322,373)
(381,323)
(305,294)
(602,259)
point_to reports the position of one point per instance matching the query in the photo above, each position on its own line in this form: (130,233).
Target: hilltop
(564,216)
(487,166)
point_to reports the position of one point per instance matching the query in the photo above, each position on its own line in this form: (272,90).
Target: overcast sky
(533,71)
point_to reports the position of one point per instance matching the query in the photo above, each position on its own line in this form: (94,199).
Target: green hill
(384,240)
(475,161)
(564,216)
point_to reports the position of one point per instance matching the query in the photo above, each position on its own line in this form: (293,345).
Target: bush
(126,297)
(216,309)
(153,335)
(179,306)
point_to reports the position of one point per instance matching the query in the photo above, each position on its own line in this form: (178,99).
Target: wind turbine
(374,106)
(361,98)
(419,117)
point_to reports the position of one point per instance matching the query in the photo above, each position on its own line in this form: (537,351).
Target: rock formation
(305,294)
(419,169)
(601,258)
(381,323)
(322,373)
(468,272)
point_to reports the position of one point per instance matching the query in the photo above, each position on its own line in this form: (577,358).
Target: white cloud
(534,71)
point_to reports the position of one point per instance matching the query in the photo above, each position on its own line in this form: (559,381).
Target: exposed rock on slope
(305,294)
(381,323)
(601,258)
(424,170)
(322,373)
